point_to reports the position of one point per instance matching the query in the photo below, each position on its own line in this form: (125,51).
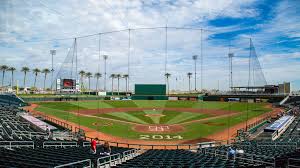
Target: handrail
(74,163)
(30,134)
(112,159)
(11,144)
(291,165)
(140,146)
(215,153)
(130,154)
(59,144)
(118,158)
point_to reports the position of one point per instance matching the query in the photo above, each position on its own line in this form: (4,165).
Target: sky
(29,29)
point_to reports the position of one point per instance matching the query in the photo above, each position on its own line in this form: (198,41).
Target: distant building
(283,88)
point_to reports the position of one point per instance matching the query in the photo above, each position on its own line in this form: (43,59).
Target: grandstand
(25,143)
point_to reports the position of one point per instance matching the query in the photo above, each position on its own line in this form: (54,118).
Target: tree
(36,71)
(3,68)
(112,76)
(89,75)
(82,74)
(97,76)
(195,57)
(12,69)
(168,75)
(45,71)
(126,76)
(189,74)
(25,70)
(118,76)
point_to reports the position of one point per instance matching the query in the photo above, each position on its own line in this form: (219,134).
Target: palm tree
(3,68)
(112,76)
(126,76)
(195,57)
(89,75)
(82,74)
(45,71)
(36,71)
(25,70)
(97,76)
(118,76)
(12,69)
(167,75)
(189,74)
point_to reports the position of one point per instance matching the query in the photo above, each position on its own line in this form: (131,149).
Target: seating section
(12,128)
(11,99)
(181,159)
(48,157)
(292,134)
(293,100)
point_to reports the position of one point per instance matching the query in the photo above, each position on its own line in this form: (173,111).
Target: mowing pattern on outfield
(153,113)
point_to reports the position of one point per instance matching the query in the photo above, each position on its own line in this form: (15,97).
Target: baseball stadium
(175,84)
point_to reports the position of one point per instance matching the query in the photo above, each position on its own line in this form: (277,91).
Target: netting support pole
(249,78)
(128,70)
(201,59)
(99,52)
(166,51)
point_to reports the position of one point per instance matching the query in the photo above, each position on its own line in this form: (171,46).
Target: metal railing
(10,144)
(278,144)
(76,163)
(147,146)
(110,160)
(30,134)
(115,159)
(214,143)
(245,156)
(131,154)
(61,144)
(293,163)
(58,122)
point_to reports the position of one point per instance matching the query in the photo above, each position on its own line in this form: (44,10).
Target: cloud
(42,20)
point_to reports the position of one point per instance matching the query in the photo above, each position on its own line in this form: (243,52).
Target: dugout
(150,92)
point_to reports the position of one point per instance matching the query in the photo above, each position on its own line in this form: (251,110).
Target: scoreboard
(67,85)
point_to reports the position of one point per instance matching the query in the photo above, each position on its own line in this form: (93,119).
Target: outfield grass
(192,130)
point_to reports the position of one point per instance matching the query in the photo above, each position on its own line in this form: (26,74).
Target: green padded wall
(150,89)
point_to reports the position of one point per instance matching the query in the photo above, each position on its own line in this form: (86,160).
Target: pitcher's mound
(161,129)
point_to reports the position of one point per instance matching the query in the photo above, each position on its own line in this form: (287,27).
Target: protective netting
(145,55)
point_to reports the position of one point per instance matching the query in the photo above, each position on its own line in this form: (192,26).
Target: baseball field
(155,120)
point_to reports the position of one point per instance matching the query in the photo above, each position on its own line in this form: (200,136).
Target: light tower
(52,52)
(105,57)
(230,56)
(195,57)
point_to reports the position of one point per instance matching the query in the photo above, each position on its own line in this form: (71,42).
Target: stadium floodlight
(105,57)
(52,52)
(195,57)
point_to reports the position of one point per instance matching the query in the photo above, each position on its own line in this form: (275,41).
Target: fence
(293,163)
(79,163)
(59,144)
(58,122)
(10,144)
(146,146)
